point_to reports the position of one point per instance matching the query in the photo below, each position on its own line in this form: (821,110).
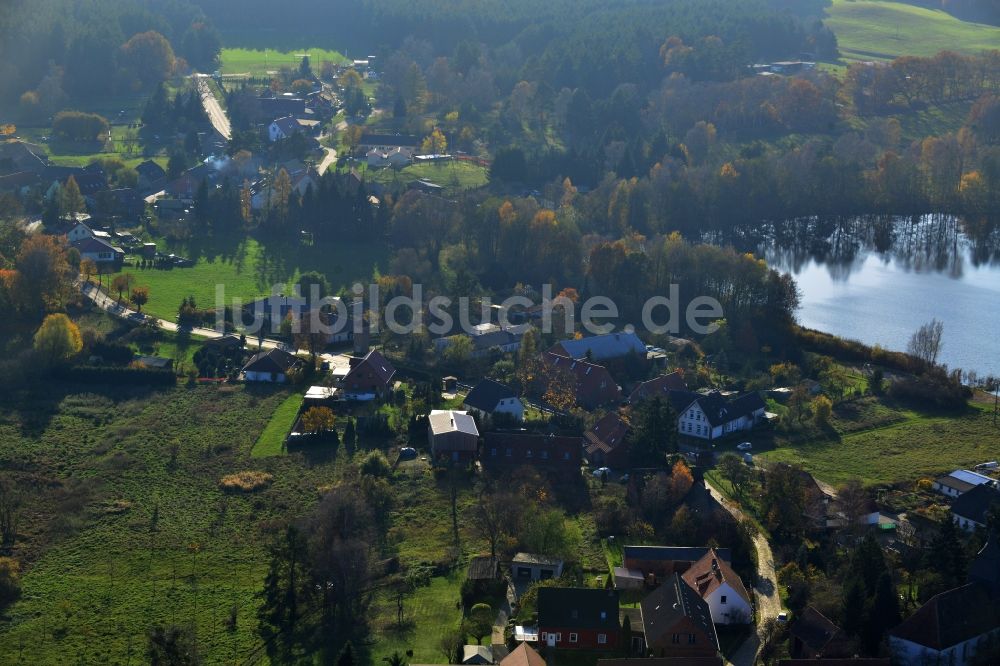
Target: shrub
(10,581)
(375,464)
(246,481)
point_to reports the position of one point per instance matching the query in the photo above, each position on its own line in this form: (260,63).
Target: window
(723,599)
(574,614)
(545,455)
(691,639)
(508,453)
(676,638)
(543,636)
(604,615)
(493,452)
(572,638)
(602,639)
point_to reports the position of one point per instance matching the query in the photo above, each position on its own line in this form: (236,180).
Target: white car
(782,617)
(745,446)
(601,471)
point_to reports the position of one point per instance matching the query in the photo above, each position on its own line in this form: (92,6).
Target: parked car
(407,453)
(782,617)
(602,471)
(745,446)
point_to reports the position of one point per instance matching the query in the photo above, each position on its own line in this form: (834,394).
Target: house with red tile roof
(716,582)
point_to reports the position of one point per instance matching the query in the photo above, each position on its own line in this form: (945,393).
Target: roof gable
(669,604)
(974,504)
(710,573)
(487,394)
(950,618)
(661,385)
(272,360)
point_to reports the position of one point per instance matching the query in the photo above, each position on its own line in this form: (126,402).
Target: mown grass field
(877,30)
(888,444)
(453,176)
(272,440)
(259,61)
(247,269)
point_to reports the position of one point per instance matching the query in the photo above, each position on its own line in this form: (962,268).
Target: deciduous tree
(58,339)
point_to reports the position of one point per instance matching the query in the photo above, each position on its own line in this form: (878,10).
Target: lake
(878,280)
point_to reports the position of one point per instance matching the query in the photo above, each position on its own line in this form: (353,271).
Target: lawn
(427,614)
(247,269)
(455,176)
(876,30)
(272,440)
(903,447)
(258,62)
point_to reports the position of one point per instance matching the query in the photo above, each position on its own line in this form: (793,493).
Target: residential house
(387,142)
(591,384)
(970,509)
(814,636)
(523,655)
(173,209)
(125,203)
(528,566)
(512,448)
(369,377)
(283,128)
(280,107)
(661,386)
(81,231)
(151,175)
(948,628)
(660,562)
(272,365)
(677,622)
(19,156)
(607,441)
(20,182)
(716,582)
(601,347)
(156,362)
(452,435)
(101,252)
(489,397)
(396,157)
(484,345)
(961,481)
(713,416)
(578,618)
(477,655)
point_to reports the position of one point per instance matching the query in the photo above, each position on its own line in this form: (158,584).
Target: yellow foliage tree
(435,143)
(58,338)
(318,419)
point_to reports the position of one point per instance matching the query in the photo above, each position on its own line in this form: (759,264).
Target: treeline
(54,50)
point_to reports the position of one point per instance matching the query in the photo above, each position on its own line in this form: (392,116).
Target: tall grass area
(248,269)
(125,524)
(893,445)
(454,176)
(877,30)
(272,440)
(259,61)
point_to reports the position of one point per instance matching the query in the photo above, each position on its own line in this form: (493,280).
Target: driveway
(766,595)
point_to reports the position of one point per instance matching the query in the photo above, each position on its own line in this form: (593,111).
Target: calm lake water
(879,280)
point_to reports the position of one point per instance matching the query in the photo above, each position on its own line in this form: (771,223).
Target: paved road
(112,307)
(765,591)
(220,121)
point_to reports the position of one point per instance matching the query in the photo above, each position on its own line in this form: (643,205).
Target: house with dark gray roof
(948,628)
(283,128)
(713,416)
(578,618)
(601,347)
(677,622)
(664,561)
(269,366)
(491,397)
(814,636)
(660,386)
(969,511)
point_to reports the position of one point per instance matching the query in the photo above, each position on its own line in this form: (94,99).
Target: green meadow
(260,61)
(876,30)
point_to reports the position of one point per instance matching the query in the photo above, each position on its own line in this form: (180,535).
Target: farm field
(876,30)
(260,61)
(895,446)
(248,269)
